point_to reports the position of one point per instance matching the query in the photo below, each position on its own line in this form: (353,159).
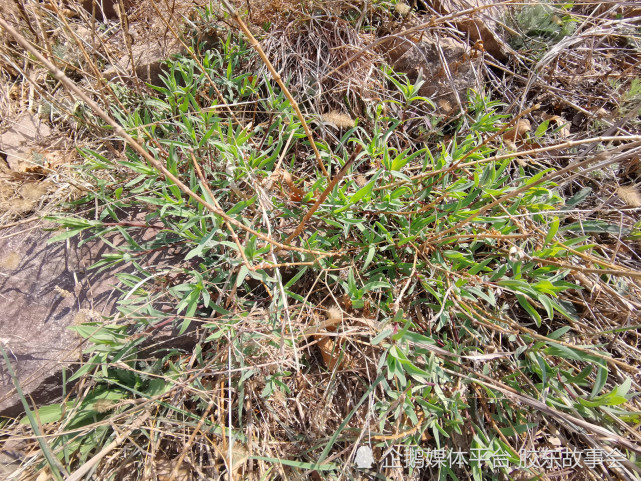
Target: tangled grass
(458,285)
(306,50)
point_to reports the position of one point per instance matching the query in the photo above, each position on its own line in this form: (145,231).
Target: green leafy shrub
(453,246)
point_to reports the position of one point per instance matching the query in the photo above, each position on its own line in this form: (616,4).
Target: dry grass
(333,392)
(305,50)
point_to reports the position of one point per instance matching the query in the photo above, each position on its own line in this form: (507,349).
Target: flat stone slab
(44,288)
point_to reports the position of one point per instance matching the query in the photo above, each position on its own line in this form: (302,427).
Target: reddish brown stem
(324,195)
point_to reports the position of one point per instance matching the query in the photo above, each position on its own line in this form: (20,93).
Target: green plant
(540,24)
(458,272)
(433,241)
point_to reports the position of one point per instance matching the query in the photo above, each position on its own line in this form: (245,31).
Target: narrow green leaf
(480,266)
(554,227)
(559,333)
(242,273)
(204,242)
(385,333)
(370,256)
(577,198)
(47,414)
(65,235)
(528,307)
(298,275)
(362,193)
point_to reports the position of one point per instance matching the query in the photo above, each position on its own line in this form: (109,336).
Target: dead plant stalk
(325,193)
(276,76)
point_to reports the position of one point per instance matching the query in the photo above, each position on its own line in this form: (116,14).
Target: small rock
(424,57)
(364,458)
(19,143)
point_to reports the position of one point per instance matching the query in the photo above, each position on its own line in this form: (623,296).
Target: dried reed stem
(276,76)
(324,195)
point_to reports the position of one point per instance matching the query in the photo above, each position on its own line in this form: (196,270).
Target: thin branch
(276,76)
(324,195)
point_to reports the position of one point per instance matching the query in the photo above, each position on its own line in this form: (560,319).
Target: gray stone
(444,80)
(19,142)
(44,289)
(364,458)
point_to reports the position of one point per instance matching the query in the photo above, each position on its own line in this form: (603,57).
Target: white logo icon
(364,457)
